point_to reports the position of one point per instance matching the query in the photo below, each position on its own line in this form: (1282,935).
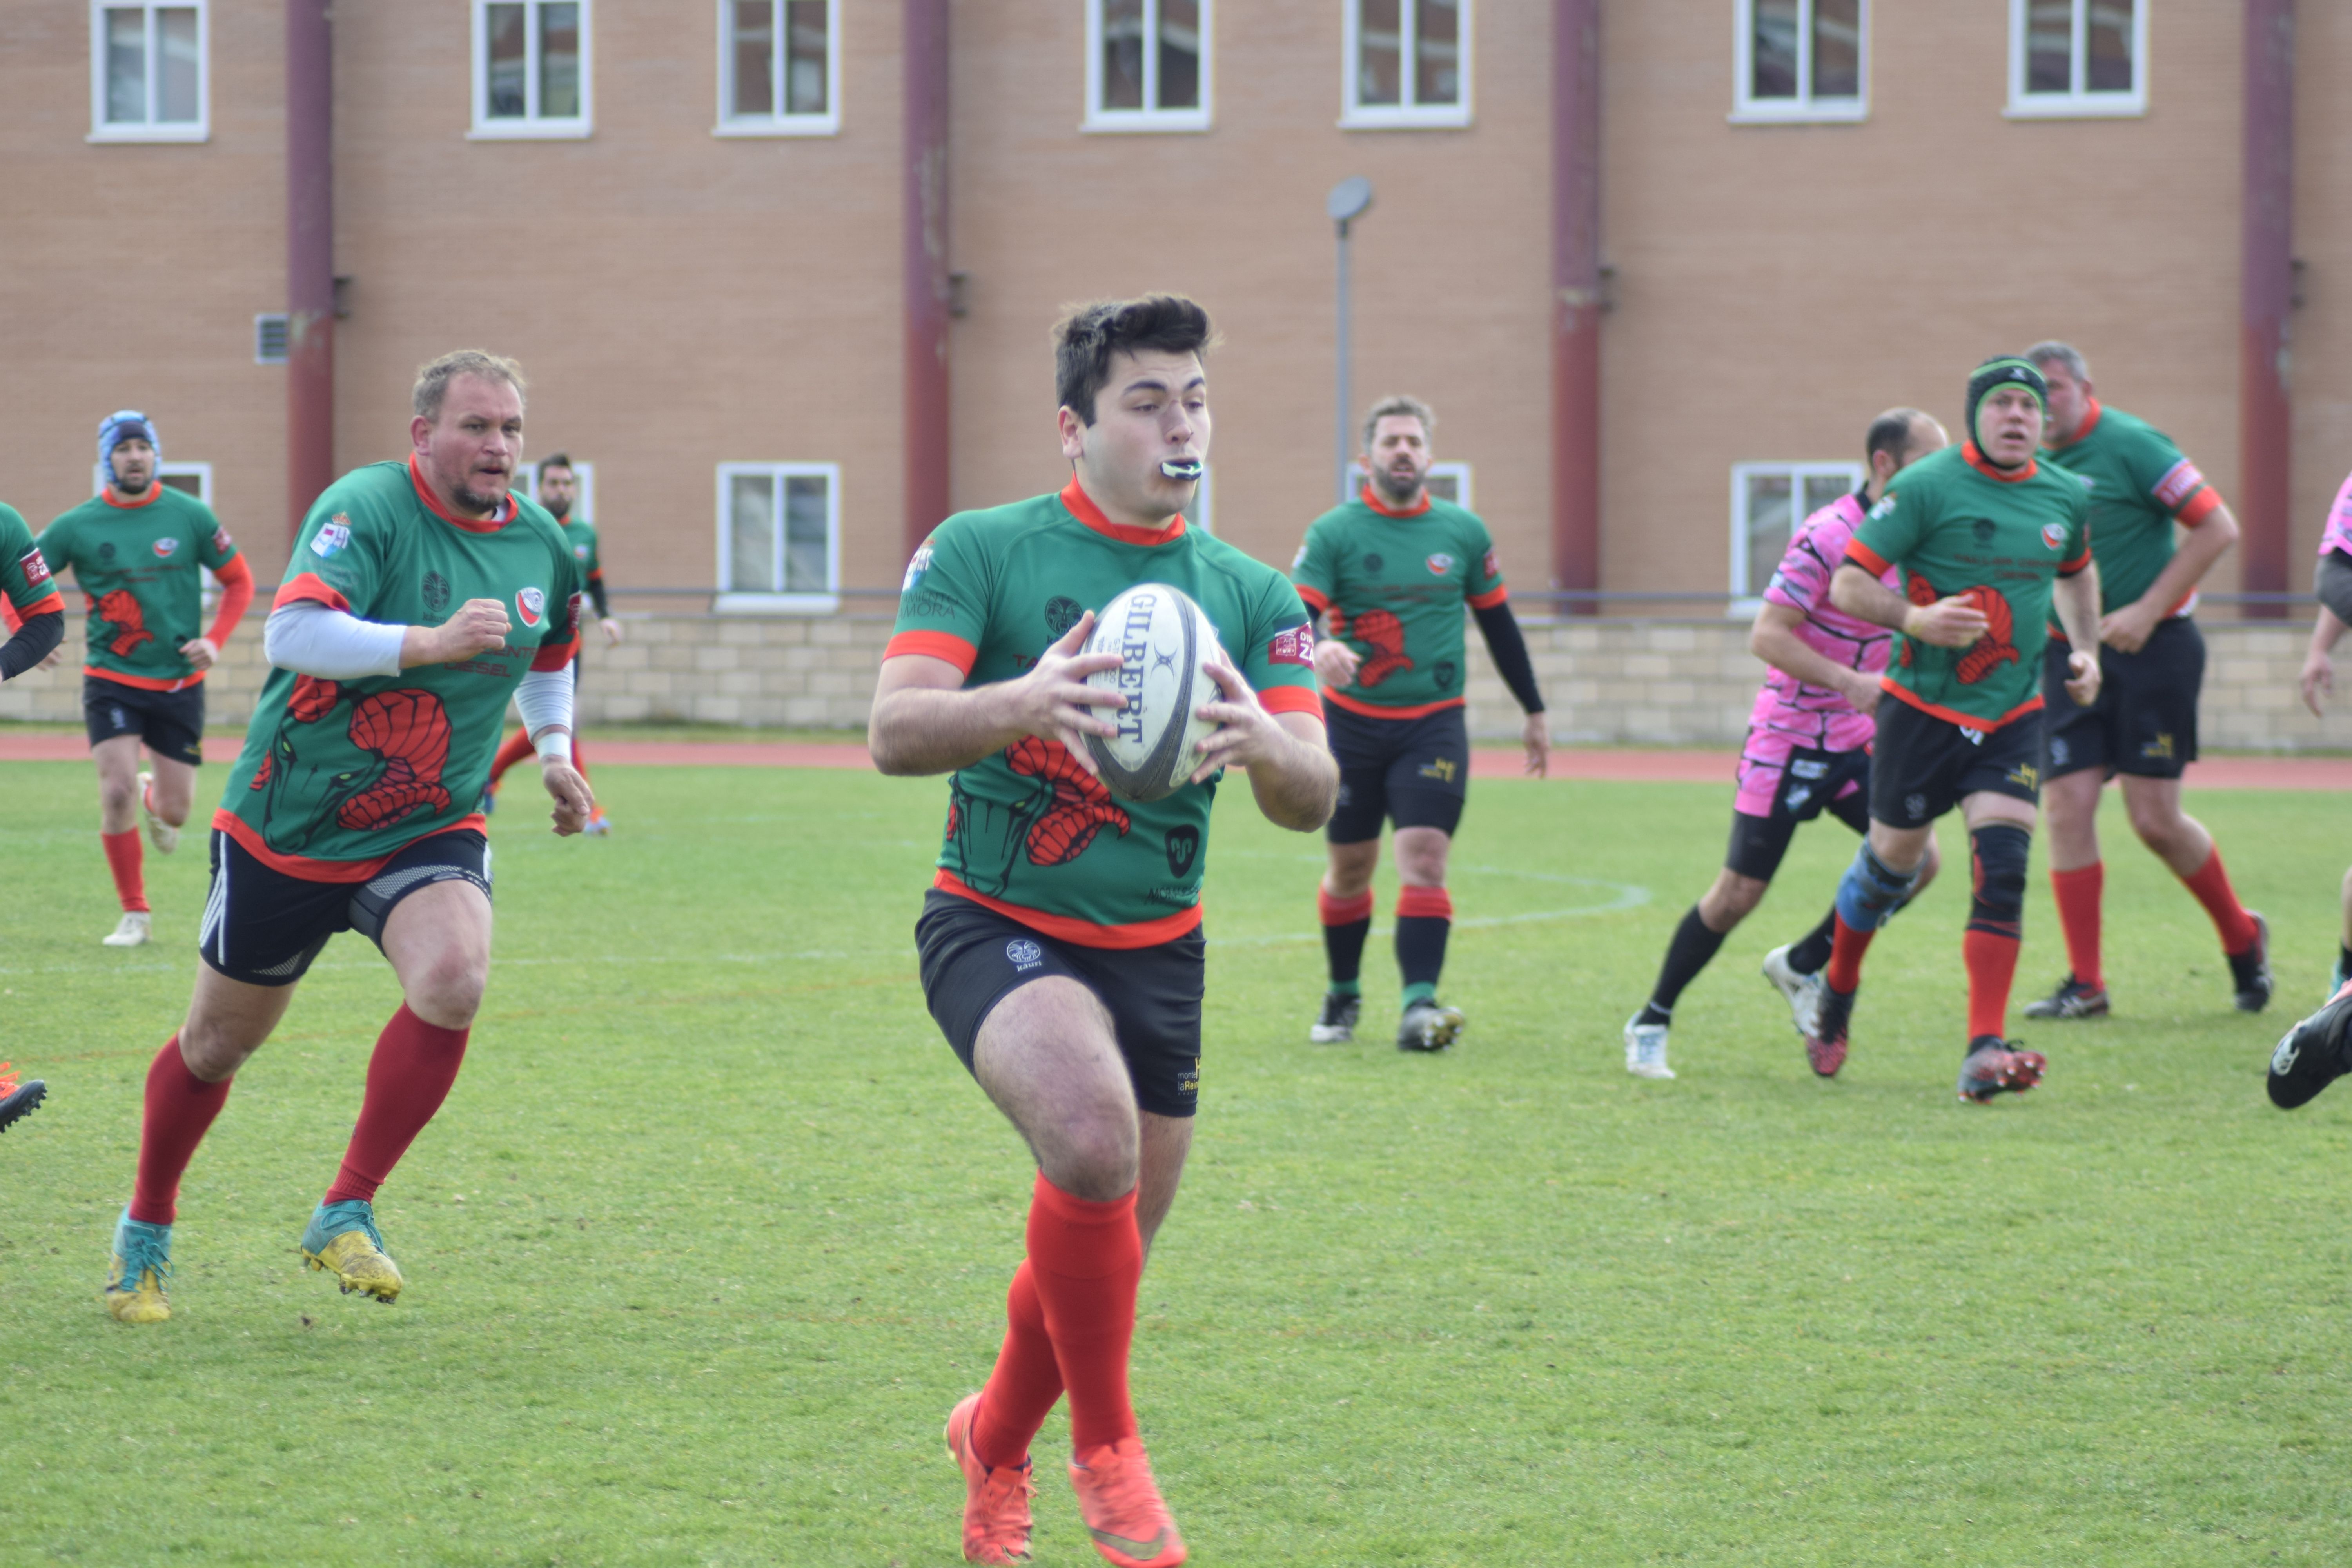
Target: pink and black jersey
(2337,535)
(1810,715)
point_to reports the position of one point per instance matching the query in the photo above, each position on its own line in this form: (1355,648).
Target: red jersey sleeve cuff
(1863,555)
(2072,567)
(1291,699)
(944,645)
(1316,599)
(2198,507)
(1492,597)
(307,586)
(55,604)
(555,656)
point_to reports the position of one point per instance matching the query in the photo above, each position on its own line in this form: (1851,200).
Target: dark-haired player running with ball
(1988,540)
(1060,944)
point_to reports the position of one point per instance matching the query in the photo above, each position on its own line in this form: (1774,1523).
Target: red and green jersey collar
(504,516)
(154,488)
(1082,506)
(2082,431)
(1371,499)
(2017,476)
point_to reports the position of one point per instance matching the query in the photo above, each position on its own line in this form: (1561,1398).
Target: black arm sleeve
(596,595)
(34,641)
(1509,649)
(2334,585)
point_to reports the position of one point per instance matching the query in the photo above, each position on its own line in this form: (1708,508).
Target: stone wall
(1650,682)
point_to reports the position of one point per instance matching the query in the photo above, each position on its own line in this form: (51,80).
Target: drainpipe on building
(925,261)
(310,258)
(1575,299)
(2266,292)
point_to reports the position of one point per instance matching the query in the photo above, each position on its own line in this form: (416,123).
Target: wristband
(554,744)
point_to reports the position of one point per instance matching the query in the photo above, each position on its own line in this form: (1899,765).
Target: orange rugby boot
(1123,1509)
(995,1502)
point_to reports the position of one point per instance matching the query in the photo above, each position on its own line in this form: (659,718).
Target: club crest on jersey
(1296,645)
(1494,564)
(1440,565)
(222,542)
(166,546)
(333,537)
(1884,508)
(580,552)
(917,567)
(2053,535)
(532,605)
(36,569)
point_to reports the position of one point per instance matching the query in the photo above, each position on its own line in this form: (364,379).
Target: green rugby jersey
(1956,525)
(2139,484)
(580,534)
(25,584)
(1030,832)
(338,775)
(1394,584)
(136,562)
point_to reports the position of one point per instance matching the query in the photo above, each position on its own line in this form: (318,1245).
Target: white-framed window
(1768,501)
(271,336)
(1800,60)
(1147,65)
(583,506)
(779,537)
(1447,481)
(148,76)
(1404,64)
(778,67)
(533,75)
(2073,59)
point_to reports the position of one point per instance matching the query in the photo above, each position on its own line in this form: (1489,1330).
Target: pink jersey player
(2337,535)
(1792,715)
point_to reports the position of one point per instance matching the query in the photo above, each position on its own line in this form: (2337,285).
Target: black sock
(2344,957)
(1812,950)
(1344,946)
(1421,952)
(1688,953)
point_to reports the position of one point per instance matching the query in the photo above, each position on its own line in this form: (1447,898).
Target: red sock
(2211,886)
(1085,1259)
(1993,965)
(517,748)
(1334,911)
(1844,970)
(180,1107)
(1027,1380)
(407,1078)
(2078,893)
(122,858)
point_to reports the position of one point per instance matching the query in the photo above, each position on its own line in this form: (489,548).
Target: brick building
(699,224)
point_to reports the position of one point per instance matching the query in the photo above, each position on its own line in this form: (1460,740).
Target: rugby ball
(1164,643)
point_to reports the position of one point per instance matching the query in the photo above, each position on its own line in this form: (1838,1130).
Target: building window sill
(780,125)
(532,131)
(2117,105)
(1135,122)
(1449,116)
(775,604)
(151,133)
(1826,112)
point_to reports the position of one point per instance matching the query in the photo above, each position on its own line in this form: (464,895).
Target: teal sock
(1420,991)
(1348,987)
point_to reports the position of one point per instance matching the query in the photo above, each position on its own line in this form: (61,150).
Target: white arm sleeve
(311,639)
(544,700)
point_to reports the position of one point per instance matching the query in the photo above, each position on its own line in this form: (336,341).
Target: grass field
(714,1229)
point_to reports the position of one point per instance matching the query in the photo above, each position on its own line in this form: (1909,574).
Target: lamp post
(1348,201)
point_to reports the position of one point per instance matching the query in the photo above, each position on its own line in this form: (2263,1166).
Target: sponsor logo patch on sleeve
(222,542)
(1295,644)
(333,537)
(917,567)
(1492,564)
(2180,482)
(1884,508)
(36,569)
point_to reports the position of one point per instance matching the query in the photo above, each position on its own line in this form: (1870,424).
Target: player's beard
(1395,490)
(475,500)
(557,510)
(128,490)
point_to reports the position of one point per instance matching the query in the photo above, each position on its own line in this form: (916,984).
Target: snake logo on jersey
(119,608)
(406,732)
(1384,635)
(1052,827)
(1994,648)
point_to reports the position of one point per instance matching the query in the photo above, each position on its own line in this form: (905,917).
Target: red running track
(1610,763)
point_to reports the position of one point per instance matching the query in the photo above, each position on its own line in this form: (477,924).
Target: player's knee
(1095,1154)
(118,795)
(1997,853)
(448,991)
(2158,823)
(1872,891)
(1736,895)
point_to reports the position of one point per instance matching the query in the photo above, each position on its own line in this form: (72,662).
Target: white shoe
(132,932)
(160,833)
(1801,991)
(1645,1049)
